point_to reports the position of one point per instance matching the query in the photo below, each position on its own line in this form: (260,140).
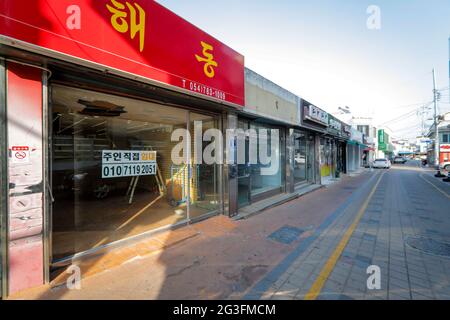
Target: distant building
(369,131)
(422,145)
(385,146)
(444,140)
(404,148)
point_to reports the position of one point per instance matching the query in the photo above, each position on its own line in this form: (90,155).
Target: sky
(324,52)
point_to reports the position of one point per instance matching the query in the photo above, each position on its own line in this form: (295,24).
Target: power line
(406,115)
(414,105)
(417,126)
(401,117)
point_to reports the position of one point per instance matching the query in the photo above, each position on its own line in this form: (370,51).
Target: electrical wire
(406,115)
(414,105)
(418,125)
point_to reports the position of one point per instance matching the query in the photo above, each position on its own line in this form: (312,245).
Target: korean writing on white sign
(130,163)
(334,124)
(315,114)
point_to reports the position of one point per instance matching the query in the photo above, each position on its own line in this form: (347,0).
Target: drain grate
(286,234)
(429,245)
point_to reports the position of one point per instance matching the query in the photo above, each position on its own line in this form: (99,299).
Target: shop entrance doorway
(304,156)
(253,184)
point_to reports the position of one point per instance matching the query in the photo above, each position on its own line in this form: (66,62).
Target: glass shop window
(112,172)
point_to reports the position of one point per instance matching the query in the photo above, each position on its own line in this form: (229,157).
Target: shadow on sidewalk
(224,259)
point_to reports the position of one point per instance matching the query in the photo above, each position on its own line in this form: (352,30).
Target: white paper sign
(20,154)
(130,163)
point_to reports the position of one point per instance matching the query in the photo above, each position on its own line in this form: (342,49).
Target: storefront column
(231,170)
(354,157)
(359,156)
(290,183)
(25,144)
(318,175)
(350,157)
(347,163)
(3,184)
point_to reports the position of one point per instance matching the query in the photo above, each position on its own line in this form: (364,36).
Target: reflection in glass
(300,160)
(205,177)
(90,211)
(252,184)
(264,183)
(243,168)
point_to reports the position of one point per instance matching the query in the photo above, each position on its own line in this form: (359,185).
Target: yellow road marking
(435,186)
(317,286)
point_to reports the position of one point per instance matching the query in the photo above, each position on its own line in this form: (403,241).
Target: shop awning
(356,143)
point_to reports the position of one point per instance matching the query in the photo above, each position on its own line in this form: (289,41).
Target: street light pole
(436,137)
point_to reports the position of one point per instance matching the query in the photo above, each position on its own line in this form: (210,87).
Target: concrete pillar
(359,156)
(25,165)
(230,180)
(318,179)
(3,184)
(290,183)
(350,158)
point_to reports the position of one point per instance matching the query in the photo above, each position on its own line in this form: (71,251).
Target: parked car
(399,160)
(382,163)
(445,166)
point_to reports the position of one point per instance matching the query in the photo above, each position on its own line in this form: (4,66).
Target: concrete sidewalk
(215,259)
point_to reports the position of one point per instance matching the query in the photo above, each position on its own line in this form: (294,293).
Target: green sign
(381,136)
(383,141)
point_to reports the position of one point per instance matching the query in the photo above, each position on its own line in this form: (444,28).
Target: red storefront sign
(445,147)
(139,37)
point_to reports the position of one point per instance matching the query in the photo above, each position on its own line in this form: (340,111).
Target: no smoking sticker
(20,154)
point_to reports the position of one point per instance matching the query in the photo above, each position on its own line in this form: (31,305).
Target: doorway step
(274,201)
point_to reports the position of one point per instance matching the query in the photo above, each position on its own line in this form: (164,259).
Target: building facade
(366,127)
(443,140)
(272,109)
(92,164)
(355,151)
(385,146)
(117,133)
(315,123)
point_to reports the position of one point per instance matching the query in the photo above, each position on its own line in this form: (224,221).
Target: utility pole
(436,129)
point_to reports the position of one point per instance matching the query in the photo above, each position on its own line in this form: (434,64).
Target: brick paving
(403,206)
